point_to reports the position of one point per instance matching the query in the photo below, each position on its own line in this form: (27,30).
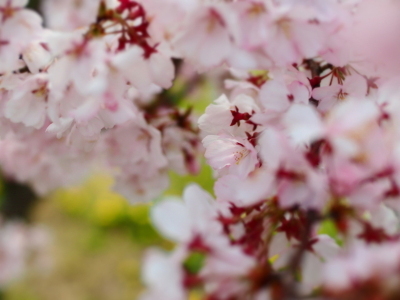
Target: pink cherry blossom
(28,104)
(235,155)
(304,141)
(354,86)
(206,40)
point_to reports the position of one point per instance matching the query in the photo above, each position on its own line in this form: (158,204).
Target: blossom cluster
(304,137)
(89,91)
(307,141)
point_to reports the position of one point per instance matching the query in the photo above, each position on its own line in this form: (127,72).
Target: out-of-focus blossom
(20,246)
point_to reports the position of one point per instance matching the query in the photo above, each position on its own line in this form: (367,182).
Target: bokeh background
(96,242)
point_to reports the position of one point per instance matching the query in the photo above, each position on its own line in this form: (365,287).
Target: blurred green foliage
(204,178)
(99,239)
(89,262)
(328,227)
(98,204)
(194,262)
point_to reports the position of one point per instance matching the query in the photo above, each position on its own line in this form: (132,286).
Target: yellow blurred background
(98,239)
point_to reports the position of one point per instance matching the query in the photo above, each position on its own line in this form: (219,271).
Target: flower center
(238,156)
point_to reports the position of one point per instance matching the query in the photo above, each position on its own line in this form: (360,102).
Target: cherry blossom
(301,127)
(19,244)
(18,27)
(354,86)
(207,38)
(237,155)
(28,103)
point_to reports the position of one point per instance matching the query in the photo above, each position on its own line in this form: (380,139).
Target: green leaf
(194,262)
(328,227)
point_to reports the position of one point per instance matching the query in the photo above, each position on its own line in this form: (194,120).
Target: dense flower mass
(304,137)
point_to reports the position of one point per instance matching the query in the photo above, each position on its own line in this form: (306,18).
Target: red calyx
(290,175)
(373,235)
(315,81)
(237,116)
(198,245)
(292,227)
(258,81)
(126,5)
